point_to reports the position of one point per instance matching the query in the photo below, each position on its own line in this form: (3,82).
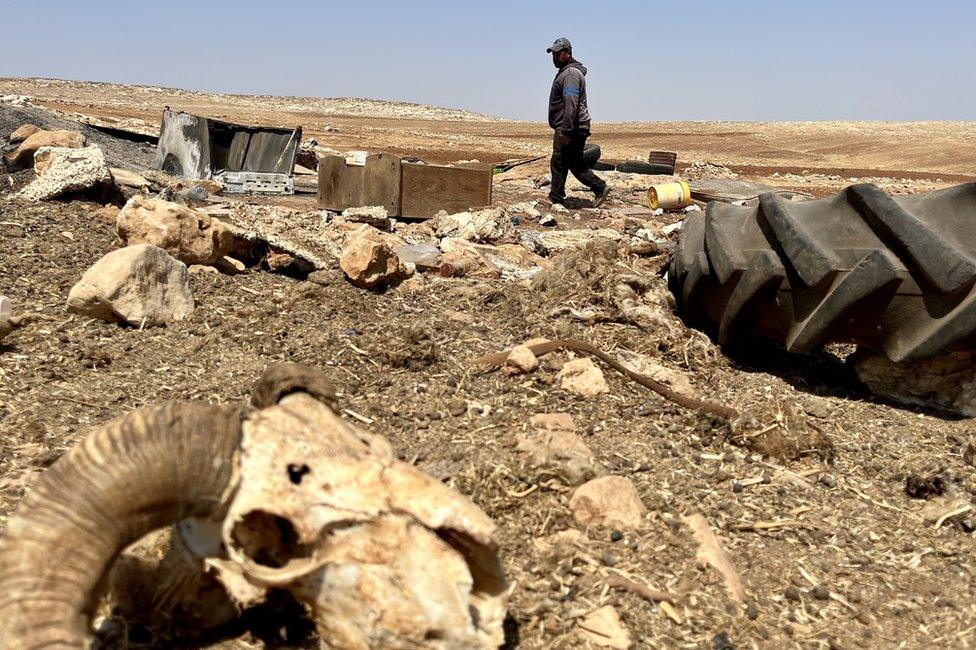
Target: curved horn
(281,379)
(140,472)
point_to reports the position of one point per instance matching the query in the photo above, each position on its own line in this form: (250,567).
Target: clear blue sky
(706,59)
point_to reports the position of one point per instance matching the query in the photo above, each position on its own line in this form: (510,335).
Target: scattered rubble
(488,226)
(61,171)
(140,285)
(375,216)
(188,235)
(609,501)
(701,170)
(128,178)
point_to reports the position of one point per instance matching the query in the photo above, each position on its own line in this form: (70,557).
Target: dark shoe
(601,196)
(554,201)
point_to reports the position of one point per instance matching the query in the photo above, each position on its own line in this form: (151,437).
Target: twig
(498,359)
(361,418)
(653,595)
(78,401)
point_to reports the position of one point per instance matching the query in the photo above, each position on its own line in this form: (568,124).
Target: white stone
(140,285)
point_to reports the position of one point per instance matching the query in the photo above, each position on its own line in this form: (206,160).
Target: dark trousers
(569,158)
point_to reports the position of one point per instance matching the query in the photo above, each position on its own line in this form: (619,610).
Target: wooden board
(425,190)
(344,186)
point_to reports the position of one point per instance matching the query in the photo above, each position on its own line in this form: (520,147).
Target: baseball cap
(559,45)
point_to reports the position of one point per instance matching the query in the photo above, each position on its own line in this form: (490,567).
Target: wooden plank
(428,189)
(344,186)
(382,182)
(340,186)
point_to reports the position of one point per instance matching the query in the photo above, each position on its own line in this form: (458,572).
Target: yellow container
(669,196)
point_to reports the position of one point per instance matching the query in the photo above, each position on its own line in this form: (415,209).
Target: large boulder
(369,261)
(141,285)
(23,154)
(65,170)
(188,235)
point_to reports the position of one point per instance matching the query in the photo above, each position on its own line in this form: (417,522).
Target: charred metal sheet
(198,147)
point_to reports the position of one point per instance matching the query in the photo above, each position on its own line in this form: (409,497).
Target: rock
(560,450)
(107,214)
(423,256)
(22,156)
(552,422)
(230,265)
(568,537)
(23,132)
(673,379)
(138,284)
(521,359)
(603,627)
(548,221)
(369,261)
(583,377)
(673,227)
(414,284)
(188,235)
(485,226)
(609,501)
(279,260)
(946,382)
(374,215)
(211,186)
(462,258)
(128,178)
(525,210)
(554,241)
(6,311)
(63,170)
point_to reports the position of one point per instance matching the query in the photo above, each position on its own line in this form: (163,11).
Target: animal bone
(289,498)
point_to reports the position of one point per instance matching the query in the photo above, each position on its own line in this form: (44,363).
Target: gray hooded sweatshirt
(567,100)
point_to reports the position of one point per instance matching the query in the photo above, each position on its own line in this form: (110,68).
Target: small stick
(653,595)
(497,359)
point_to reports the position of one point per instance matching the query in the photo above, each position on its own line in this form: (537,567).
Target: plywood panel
(344,186)
(427,189)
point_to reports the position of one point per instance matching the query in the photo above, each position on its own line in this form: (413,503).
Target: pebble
(752,612)
(828,480)
(792,593)
(548,221)
(609,559)
(616,536)
(821,592)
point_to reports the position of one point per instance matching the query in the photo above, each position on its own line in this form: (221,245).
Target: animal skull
(381,554)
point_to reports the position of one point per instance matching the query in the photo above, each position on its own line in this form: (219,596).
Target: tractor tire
(893,274)
(640,167)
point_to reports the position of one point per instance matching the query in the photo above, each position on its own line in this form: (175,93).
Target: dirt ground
(807,491)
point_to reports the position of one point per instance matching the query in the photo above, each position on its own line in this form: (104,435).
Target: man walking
(570,118)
